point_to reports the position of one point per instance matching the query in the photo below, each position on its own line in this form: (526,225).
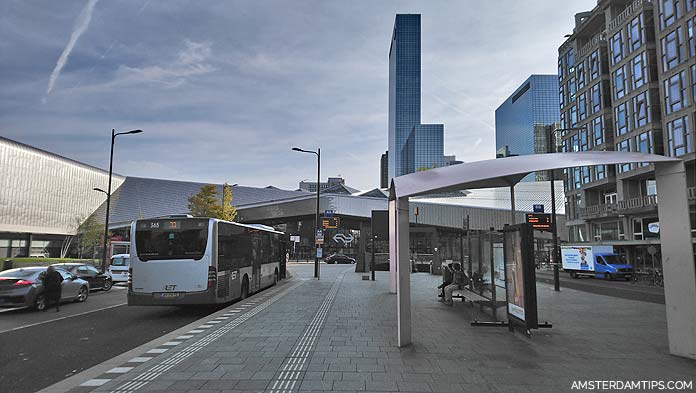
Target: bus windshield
(171,239)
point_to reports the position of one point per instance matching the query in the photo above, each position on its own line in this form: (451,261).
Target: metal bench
(467,295)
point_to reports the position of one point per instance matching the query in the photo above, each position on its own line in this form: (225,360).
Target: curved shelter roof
(505,172)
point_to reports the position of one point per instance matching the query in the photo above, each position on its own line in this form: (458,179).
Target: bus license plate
(168,295)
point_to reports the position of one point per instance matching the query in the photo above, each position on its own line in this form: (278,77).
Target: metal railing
(637,203)
(632,8)
(592,44)
(597,210)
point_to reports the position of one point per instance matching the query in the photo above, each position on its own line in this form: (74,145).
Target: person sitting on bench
(446,280)
(459,280)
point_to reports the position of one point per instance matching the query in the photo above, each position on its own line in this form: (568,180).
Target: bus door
(283,258)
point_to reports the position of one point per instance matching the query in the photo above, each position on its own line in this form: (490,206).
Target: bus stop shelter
(677,250)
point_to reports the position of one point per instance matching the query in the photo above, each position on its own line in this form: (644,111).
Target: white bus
(184,260)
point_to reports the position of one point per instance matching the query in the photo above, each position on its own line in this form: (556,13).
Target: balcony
(633,8)
(601,210)
(644,202)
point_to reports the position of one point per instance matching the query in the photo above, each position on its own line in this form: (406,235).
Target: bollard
(7,264)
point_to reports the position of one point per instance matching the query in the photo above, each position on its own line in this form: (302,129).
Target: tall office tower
(412,146)
(384,170)
(627,78)
(534,102)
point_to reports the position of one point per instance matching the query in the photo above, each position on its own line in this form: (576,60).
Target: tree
(228,211)
(89,235)
(207,204)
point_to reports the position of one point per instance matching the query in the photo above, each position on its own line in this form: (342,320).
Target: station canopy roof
(505,172)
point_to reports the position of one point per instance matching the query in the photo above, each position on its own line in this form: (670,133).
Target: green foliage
(228,211)
(90,235)
(207,204)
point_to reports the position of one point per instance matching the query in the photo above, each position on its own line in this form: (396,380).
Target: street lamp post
(114,134)
(316,217)
(554,229)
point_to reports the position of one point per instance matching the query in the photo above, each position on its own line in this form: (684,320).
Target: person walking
(52,283)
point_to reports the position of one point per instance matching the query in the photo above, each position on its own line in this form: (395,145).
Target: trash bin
(7,264)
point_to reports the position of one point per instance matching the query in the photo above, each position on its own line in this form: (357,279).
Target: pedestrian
(52,283)
(446,280)
(459,280)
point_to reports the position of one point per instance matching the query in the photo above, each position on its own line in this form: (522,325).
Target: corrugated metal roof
(144,198)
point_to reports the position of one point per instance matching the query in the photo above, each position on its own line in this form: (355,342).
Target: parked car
(120,263)
(339,258)
(24,287)
(89,273)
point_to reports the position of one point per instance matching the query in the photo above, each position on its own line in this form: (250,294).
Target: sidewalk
(339,334)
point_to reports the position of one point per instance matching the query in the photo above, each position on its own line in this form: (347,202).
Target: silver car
(24,287)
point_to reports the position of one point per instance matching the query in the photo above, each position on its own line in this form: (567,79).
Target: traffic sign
(329,213)
(295,238)
(538,208)
(539,221)
(319,252)
(319,238)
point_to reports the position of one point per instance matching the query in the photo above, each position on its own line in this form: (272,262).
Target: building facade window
(574,143)
(616,47)
(679,137)
(580,75)
(672,49)
(582,107)
(594,65)
(564,122)
(619,79)
(624,145)
(561,96)
(586,175)
(577,179)
(561,68)
(636,35)
(573,116)
(639,71)
(675,93)
(595,98)
(641,110)
(690,25)
(621,119)
(600,172)
(693,83)
(597,131)
(584,141)
(690,4)
(571,89)
(643,144)
(669,12)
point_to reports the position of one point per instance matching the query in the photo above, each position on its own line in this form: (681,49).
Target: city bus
(196,261)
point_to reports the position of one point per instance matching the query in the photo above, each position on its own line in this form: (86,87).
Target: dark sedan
(23,287)
(95,278)
(339,258)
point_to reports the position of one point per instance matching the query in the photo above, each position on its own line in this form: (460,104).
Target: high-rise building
(384,170)
(532,103)
(627,82)
(412,146)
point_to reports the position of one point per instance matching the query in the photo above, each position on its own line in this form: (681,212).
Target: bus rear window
(171,239)
(119,261)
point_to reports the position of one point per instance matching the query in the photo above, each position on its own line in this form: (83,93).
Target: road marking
(157,370)
(119,370)
(184,337)
(95,382)
(172,343)
(140,359)
(158,350)
(195,331)
(62,318)
(205,326)
(12,309)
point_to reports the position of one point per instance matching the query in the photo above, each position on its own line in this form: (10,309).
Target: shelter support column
(399,253)
(677,258)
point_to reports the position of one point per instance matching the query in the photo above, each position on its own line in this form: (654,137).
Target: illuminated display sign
(539,221)
(330,222)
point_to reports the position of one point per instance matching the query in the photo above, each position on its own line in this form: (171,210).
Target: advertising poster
(577,258)
(514,273)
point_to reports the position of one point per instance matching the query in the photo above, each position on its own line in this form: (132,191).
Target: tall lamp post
(553,147)
(316,217)
(114,134)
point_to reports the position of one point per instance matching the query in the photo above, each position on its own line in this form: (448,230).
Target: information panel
(520,280)
(539,221)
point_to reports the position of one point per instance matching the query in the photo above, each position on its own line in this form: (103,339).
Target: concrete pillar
(403,279)
(393,245)
(677,258)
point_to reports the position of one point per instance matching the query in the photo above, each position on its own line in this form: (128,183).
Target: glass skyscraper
(412,146)
(534,102)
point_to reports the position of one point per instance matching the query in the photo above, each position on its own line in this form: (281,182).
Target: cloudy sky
(224,89)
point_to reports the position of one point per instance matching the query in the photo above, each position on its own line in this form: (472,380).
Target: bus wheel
(573,275)
(245,288)
(275,277)
(608,276)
